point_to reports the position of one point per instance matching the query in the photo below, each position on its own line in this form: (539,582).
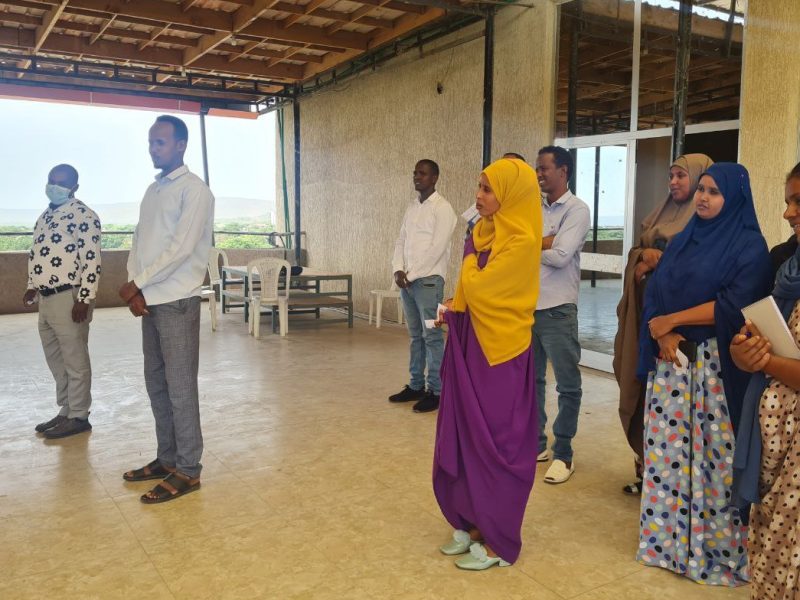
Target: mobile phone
(689,348)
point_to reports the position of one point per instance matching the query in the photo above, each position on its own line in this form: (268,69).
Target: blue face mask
(57,194)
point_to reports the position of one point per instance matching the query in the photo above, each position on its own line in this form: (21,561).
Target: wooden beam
(73,45)
(406,8)
(103,28)
(49,20)
(308,35)
(354,16)
(304,10)
(159,12)
(243,17)
(204,45)
(402,25)
(156,33)
(333,15)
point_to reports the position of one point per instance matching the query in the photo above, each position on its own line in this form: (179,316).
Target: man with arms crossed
(555,331)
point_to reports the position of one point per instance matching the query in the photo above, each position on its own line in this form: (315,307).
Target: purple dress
(486,438)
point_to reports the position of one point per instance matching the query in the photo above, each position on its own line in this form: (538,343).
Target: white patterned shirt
(66,250)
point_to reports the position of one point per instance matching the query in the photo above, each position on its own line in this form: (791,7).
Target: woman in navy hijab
(692,309)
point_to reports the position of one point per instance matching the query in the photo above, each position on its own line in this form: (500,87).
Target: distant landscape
(231,214)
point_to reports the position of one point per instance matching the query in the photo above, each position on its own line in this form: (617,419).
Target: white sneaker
(559,472)
(544,456)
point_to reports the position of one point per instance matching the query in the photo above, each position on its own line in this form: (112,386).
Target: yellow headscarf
(502,296)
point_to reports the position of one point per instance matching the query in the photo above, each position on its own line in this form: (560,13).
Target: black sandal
(154,470)
(174,485)
(633,489)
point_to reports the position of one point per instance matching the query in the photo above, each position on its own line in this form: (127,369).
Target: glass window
(715,62)
(600,181)
(595,58)
(108,147)
(241,165)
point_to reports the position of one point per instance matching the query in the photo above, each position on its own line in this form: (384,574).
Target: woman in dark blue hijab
(692,309)
(766,465)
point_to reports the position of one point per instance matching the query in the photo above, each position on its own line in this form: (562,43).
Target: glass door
(601,180)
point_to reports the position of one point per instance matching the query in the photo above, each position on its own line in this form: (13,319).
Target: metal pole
(203,144)
(572,89)
(296,124)
(729,29)
(204,148)
(488,86)
(681,78)
(572,86)
(596,203)
(635,67)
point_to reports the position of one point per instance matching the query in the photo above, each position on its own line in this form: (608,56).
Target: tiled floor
(314,486)
(597,314)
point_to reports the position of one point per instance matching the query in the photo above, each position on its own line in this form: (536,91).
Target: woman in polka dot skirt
(692,310)
(770,435)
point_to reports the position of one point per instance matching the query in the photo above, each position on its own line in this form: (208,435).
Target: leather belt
(56,290)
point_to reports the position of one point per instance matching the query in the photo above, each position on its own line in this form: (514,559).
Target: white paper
(471,215)
(430,323)
(768,318)
(683,360)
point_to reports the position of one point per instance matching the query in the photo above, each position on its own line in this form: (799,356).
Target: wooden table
(305,292)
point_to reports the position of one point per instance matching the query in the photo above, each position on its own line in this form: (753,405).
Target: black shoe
(67,428)
(57,420)
(428,404)
(407,395)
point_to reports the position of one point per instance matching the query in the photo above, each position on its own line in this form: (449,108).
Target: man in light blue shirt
(166,267)
(555,331)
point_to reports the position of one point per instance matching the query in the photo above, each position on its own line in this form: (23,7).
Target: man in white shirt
(555,330)
(421,257)
(64,271)
(166,268)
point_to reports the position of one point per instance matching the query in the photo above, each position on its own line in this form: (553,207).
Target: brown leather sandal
(174,485)
(154,470)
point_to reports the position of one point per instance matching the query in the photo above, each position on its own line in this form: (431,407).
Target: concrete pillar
(769,140)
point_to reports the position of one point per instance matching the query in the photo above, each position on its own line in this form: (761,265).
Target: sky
(108,147)
(613,173)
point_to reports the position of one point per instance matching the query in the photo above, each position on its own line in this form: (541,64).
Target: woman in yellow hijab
(487,429)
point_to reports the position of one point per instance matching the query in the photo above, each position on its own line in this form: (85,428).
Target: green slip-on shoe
(479,560)
(458,545)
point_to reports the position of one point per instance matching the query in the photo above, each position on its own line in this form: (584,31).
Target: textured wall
(360,140)
(770,113)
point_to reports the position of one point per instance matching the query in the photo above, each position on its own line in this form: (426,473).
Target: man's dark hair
(514,155)
(794,173)
(562,158)
(432,164)
(178,126)
(71,172)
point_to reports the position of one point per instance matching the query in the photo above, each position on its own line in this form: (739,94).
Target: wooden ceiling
(604,30)
(236,50)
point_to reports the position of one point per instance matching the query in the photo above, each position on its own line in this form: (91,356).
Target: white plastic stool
(379,295)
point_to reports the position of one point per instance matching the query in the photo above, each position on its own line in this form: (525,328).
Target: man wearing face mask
(63,273)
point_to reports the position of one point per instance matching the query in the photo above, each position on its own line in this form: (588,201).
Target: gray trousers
(66,349)
(171,345)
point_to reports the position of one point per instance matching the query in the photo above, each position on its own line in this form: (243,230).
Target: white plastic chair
(377,296)
(214,279)
(269,294)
